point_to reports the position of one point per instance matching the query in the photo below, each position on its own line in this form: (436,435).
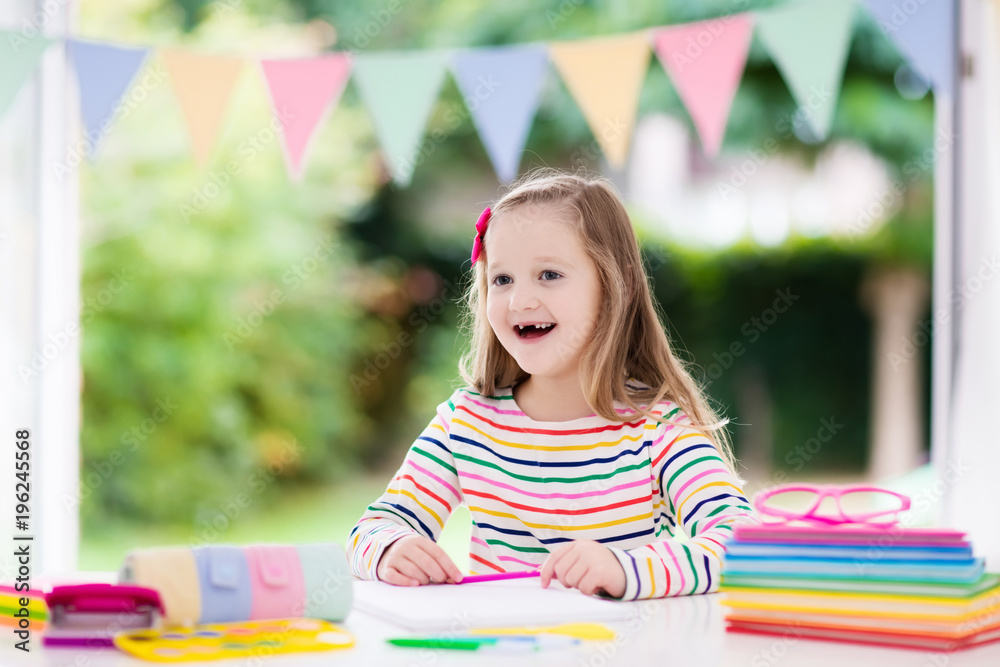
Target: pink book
(852,534)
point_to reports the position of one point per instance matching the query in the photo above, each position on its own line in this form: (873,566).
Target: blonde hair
(629,339)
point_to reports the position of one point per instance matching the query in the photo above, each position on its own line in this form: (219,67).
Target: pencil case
(226,583)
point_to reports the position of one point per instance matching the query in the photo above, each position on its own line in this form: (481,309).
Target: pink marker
(500,576)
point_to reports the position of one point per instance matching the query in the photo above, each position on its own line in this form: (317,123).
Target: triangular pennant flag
(502,87)
(18,57)
(705,61)
(808,42)
(103,72)
(302,93)
(924,34)
(203,85)
(605,76)
(399,90)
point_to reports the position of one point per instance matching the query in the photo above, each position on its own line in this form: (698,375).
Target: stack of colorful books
(911,587)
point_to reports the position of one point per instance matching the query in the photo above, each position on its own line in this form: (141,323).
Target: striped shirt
(531,486)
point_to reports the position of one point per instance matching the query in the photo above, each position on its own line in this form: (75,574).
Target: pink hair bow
(477,243)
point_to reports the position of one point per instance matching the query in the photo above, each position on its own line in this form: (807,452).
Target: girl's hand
(586,565)
(416,560)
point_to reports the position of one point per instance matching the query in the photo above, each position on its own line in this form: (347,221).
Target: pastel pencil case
(225,586)
(173,573)
(276,582)
(328,581)
(225,583)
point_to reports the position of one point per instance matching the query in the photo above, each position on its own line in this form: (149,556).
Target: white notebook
(460,607)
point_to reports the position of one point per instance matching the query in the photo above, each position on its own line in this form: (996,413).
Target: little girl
(580,443)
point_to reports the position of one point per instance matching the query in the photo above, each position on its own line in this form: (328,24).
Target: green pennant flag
(400,89)
(808,42)
(18,56)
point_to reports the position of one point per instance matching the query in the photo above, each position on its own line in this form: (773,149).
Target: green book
(986,582)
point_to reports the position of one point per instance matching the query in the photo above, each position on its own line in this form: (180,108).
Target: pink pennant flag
(302,93)
(705,61)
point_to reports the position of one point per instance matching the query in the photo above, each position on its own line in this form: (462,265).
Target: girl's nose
(522,297)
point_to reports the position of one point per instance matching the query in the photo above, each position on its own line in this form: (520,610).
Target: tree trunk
(895,298)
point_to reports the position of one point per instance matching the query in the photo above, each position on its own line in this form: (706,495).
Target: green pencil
(464,644)
(507,643)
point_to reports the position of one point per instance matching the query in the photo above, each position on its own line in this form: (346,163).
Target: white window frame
(966,452)
(40,298)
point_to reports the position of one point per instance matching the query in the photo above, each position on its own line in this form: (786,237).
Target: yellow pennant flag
(605,76)
(203,85)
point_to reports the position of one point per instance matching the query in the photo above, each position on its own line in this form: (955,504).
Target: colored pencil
(500,576)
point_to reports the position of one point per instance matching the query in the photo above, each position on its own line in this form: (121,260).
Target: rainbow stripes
(630,485)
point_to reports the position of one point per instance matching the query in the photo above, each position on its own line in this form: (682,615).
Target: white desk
(674,632)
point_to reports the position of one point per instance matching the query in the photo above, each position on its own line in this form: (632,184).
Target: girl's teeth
(533,330)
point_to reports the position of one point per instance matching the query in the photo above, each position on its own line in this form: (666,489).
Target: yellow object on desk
(586,631)
(234,640)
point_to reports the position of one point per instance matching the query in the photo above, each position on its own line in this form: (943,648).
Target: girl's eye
(496,281)
(545,273)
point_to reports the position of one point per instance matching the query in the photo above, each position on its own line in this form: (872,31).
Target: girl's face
(539,274)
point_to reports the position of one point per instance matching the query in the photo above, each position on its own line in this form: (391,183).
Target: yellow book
(863,604)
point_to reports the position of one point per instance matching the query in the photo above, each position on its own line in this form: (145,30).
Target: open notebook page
(457,608)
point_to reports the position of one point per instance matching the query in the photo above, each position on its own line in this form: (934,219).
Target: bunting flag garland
(399,90)
(705,60)
(18,57)
(104,73)
(203,85)
(808,42)
(303,91)
(502,87)
(924,33)
(605,76)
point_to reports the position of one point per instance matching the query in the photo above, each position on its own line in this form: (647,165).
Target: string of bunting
(705,60)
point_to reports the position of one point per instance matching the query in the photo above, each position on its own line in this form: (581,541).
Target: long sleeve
(697,494)
(418,501)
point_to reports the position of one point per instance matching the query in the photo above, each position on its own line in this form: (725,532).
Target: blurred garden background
(253,373)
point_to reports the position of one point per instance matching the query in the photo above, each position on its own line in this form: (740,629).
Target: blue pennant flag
(502,87)
(104,73)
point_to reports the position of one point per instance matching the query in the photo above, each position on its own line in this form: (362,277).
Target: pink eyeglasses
(815,495)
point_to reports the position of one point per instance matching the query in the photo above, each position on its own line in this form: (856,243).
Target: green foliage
(784,327)
(221,322)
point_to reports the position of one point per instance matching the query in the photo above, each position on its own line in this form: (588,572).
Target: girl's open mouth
(533,331)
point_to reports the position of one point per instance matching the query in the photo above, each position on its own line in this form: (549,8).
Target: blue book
(884,569)
(872,553)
